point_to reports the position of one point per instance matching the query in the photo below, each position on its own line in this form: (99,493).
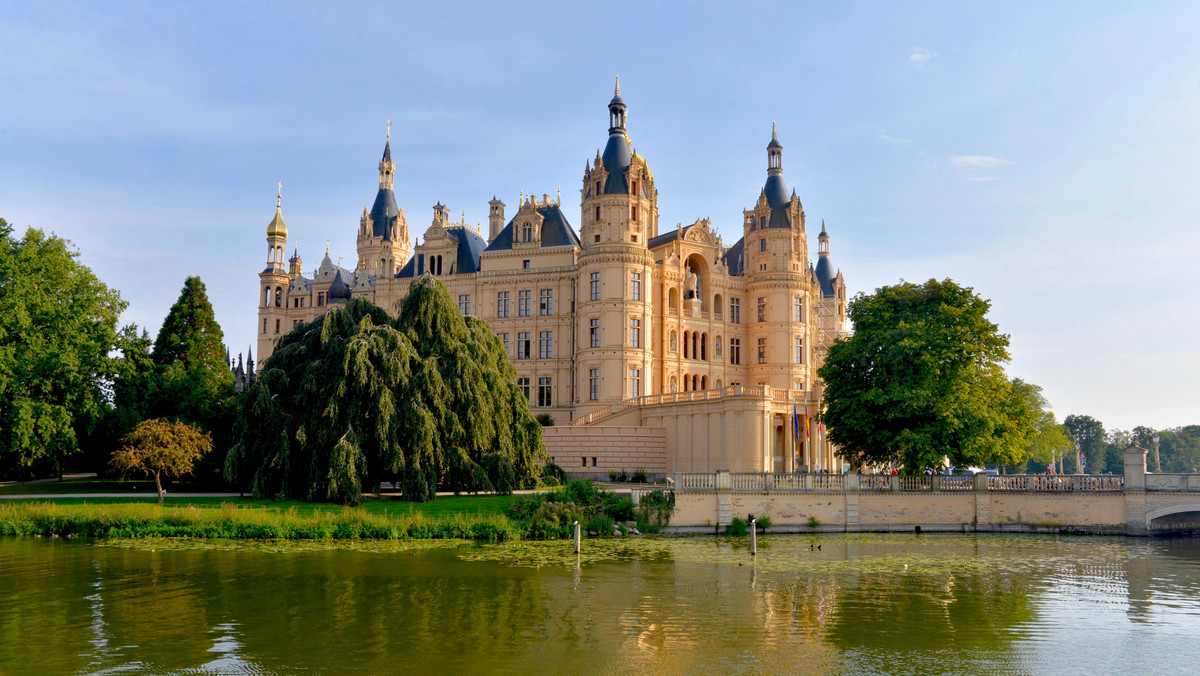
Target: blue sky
(1042,153)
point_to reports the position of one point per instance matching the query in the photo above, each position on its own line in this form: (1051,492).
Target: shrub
(545,419)
(602,524)
(655,511)
(553,520)
(639,477)
(737,527)
(623,476)
(612,475)
(812,522)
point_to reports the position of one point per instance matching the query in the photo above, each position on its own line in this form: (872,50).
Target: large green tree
(356,398)
(57,325)
(194,383)
(1088,433)
(921,380)
(1050,441)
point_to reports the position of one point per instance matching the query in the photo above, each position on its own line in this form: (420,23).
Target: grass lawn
(442,506)
(102,485)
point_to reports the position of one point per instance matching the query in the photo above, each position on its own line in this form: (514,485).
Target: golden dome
(276,228)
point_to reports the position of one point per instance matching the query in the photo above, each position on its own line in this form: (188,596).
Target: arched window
(704,382)
(672,299)
(704,346)
(278,296)
(685,345)
(266,296)
(674,342)
(695,345)
(717,303)
(695,382)
(527,232)
(718,385)
(686,383)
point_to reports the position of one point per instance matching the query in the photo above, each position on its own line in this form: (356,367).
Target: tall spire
(387,168)
(276,227)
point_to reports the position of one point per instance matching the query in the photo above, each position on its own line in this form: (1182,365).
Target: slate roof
(735,256)
(668,237)
(826,275)
(617,159)
(470,245)
(384,211)
(556,231)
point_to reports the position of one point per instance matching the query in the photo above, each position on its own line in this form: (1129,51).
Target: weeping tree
(427,399)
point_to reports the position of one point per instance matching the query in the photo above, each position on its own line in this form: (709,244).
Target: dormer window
(527,232)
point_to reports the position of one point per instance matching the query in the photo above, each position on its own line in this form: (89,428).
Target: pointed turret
(825,272)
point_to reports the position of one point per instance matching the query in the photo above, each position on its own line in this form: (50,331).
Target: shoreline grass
(228,520)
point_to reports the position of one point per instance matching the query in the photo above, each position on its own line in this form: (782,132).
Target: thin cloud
(894,141)
(921,56)
(977,161)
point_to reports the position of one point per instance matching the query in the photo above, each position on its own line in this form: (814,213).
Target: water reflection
(858,604)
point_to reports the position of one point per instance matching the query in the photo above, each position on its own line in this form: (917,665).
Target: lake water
(861,604)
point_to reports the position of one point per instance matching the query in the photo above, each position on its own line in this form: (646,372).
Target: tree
(194,383)
(920,380)
(159,448)
(356,397)
(1050,441)
(1088,435)
(57,325)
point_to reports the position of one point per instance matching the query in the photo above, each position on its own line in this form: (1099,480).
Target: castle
(661,351)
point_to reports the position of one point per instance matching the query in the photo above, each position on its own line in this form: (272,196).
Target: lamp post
(1157,466)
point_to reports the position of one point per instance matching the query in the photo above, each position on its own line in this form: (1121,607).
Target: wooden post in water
(753,537)
(576,537)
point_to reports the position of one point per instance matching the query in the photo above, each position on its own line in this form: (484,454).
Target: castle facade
(701,355)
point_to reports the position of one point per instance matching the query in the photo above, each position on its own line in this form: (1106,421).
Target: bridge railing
(1175,483)
(778,482)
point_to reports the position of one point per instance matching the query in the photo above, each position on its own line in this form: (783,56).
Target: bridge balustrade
(780,482)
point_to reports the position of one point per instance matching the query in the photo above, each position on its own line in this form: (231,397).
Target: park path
(147,495)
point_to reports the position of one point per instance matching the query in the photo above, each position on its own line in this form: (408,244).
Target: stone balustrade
(764,482)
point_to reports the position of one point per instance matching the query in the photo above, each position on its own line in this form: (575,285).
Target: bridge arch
(1183,516)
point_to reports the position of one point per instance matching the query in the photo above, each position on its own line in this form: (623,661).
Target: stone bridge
(1137,503)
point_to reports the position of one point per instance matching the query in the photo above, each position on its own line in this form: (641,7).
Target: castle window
(635,285)
(523,345)
(523,384)
(277,323)
(267,296)
(502,304)
(798,306)
(546,396)
(635,382)
(504,338)
(735,310)
(525,264)
(762,221)
(278,297)
(686,341)
(594,385)
(762,244)
(704,346)
(527,232)
(762,309)
(633,191)
(635,212)
(320,298)
(464,304)
(295,323)
(704,382)
(546,307)
(524,298)
(799,348)
(635,333)
(597,239)
(735,350)
(633,238)
(597,192)
(264,325)
(762,350)
(594,332)
(597,214)
(595,286)
(545,344)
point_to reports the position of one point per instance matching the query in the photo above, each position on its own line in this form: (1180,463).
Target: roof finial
(774,136)
(389,132)
(326,247)
(617,91)
(559,195)
(822,225)
(279,195)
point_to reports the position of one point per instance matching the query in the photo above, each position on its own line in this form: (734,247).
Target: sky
(1044,154)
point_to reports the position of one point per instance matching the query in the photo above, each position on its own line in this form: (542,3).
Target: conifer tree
(356,397)
(194,383)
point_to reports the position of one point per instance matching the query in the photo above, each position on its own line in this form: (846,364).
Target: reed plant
(134,520)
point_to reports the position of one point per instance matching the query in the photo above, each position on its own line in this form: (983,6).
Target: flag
(806,422)
(796,421)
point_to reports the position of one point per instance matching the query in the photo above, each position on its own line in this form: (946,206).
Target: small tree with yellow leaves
(159,447)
